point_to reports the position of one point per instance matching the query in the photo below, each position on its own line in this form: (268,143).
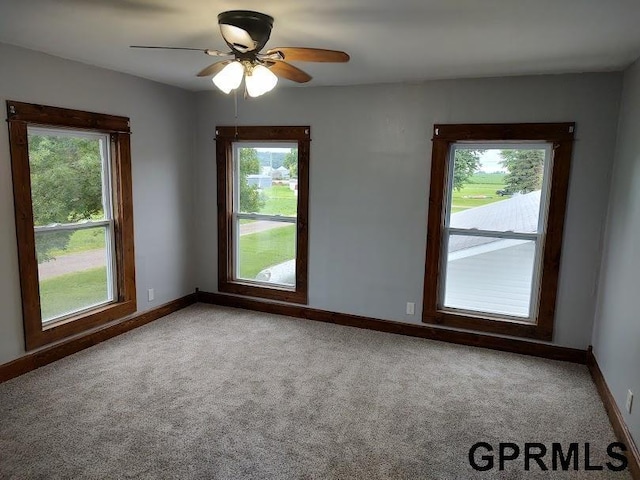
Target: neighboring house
(280,173)
(518,213)
(266,170)
(261,181)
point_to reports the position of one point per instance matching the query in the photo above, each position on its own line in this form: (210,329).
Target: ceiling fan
(246,33)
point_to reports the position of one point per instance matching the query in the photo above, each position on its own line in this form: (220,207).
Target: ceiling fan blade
(213,68)
(299,54)
(169,48)
(208,51)
(288,71)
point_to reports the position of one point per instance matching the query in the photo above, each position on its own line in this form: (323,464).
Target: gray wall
(162,153)
(370,165)
(616,336)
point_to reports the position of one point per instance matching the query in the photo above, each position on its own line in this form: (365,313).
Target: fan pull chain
(235,102)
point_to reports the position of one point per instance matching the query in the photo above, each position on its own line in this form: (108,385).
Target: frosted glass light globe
(230,77)
(260,81)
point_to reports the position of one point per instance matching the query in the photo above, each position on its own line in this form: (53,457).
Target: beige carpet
(220,393)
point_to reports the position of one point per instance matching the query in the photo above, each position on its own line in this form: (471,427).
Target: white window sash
(268,218)
(474,232)
(60,227)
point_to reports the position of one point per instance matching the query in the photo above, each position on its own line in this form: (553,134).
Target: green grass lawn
(81,241)
(488,178)
(264,249)
(280,200)
(483,185)
(73,291)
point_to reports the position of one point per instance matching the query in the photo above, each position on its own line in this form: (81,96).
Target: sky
(490,162)
(274,150)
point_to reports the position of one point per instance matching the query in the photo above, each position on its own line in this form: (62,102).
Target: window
(496,214)
(72,193)
(263,178)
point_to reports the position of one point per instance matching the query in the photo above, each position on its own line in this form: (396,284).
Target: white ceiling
(388,40)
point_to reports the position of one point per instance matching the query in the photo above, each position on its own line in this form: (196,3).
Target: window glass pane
(267,179)
(73,270)
(490,275)
(66,176)
(497,189)
(266,252)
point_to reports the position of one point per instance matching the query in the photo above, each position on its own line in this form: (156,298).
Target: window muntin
(70,173)
(492,246)
(265,213)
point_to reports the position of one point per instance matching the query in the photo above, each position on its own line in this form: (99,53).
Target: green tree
(524,170)
(291,162)
(66,186)
(250,200)
(466,163)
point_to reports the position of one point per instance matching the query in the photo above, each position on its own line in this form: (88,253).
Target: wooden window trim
(225,136)
(561,136)
(20,116)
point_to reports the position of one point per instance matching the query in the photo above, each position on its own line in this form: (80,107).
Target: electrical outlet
(629,400)
(411,308)
(152,294)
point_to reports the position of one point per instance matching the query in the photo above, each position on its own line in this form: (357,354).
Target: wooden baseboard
(615,416)
(464,338)
(50,354)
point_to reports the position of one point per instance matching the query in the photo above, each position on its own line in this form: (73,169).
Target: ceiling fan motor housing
(256,25)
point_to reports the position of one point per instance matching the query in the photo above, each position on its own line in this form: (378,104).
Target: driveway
(72,263)
(77,262)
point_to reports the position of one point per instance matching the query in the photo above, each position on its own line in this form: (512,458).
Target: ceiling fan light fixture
(246,33)
(260,80)
(230,77)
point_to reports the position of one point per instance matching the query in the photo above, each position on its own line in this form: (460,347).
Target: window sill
(76,324)
(491,325)
(271,293)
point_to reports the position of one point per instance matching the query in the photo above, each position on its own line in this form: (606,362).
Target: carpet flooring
(220,393)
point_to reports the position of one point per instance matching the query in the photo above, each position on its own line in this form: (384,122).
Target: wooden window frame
(225,137)
(20,116)
(561,136)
